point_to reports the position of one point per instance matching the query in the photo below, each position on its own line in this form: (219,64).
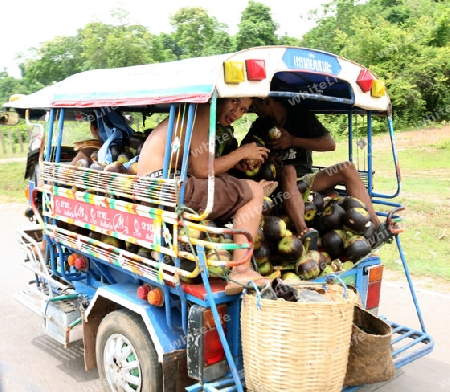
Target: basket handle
(258,293)
(333,276)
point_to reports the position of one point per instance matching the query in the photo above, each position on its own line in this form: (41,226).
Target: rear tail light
(374,286)
(154,296)
(205,353)
(142,291)
(213,351)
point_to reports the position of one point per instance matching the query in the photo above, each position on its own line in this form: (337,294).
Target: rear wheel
(126,357)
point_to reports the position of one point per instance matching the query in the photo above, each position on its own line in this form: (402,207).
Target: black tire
(127,330)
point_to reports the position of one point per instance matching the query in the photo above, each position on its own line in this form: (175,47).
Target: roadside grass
(425,194)
(12,184)
(13,154)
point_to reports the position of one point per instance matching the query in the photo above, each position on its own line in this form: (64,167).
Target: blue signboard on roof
(311,61)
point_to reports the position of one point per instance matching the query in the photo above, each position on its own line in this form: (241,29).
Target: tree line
(404,42)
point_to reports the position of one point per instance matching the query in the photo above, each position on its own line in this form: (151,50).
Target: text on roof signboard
(311,61)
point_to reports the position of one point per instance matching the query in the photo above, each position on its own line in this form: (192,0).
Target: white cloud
(29,23)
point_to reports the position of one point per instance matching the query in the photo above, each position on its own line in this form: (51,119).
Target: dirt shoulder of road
(414,138)
(435,284)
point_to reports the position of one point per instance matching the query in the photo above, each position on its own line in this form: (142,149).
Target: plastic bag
(113,130)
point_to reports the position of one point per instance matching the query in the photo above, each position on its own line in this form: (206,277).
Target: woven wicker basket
(297,346)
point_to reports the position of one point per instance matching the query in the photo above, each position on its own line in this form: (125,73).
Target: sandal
(269,189)
(234,287)
(309,238)
(386,231)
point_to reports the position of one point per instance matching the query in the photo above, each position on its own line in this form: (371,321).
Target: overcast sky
(28,23)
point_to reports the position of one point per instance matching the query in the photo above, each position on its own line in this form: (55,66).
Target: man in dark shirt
(302,133)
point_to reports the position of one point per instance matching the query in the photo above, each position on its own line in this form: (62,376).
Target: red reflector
(143,291)
(365,80)
(256,69)
(213,351)
(373,295)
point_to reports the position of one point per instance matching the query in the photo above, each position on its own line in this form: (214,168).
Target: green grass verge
(12,184)
(425,193)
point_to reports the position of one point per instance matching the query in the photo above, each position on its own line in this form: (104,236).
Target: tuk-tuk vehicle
(124,267)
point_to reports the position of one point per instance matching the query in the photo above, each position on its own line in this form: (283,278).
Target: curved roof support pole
(50,135)
(167,153)
(396,164)
(187,144)
(369,154)
(395,156)
(350,135)
(211,152)
(62,116)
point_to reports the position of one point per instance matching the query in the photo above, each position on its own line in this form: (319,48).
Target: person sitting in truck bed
(234,198)
(86,148)
(302,133)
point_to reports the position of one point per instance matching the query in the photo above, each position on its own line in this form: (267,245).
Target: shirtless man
(237,198)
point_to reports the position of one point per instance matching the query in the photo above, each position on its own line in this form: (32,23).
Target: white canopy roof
(196,79)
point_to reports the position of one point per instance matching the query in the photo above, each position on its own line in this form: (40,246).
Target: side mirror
(9,118)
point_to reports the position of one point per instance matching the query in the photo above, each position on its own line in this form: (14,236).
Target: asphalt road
(32,361)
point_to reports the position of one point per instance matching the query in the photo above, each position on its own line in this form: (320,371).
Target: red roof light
(365,80)
(256,69)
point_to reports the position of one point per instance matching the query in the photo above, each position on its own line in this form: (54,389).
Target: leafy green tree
(220,42)
(333,25)
(257,27)
(10,86)
(54,60)
(404,42)
(170,48)
(109,46)
(94,36)
(287,40)
(194,30)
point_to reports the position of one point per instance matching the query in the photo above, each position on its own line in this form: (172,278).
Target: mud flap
(103,306)
(176,363)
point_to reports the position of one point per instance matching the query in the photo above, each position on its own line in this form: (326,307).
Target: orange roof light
(234,72)
(256,69)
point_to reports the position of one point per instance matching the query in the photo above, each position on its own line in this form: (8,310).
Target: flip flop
(269,189)
(233,288)
(386,231)
(384,235)
(310,239)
